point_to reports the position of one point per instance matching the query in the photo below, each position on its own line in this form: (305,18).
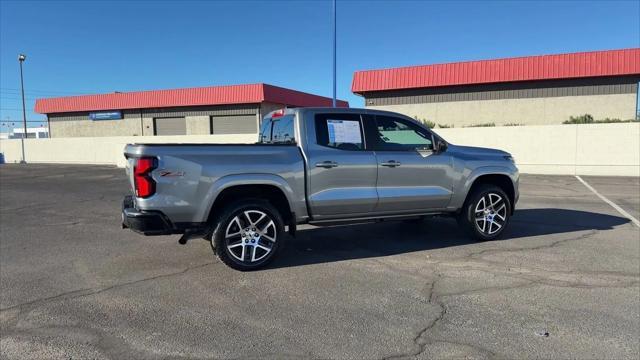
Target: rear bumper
(144,222)
(151,222)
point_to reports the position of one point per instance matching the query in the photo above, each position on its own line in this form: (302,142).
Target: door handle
(391,163)
(327,164)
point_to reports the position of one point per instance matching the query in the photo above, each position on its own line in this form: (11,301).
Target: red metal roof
(546,67)
(212,95)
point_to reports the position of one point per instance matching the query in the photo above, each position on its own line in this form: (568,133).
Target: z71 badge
(169,173)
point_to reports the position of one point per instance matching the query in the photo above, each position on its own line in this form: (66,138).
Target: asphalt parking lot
(564,282)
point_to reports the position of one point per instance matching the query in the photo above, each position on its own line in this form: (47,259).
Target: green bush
(582,119)
(482,125)
(512,124)
(427,123)
(445,126)
(588,119)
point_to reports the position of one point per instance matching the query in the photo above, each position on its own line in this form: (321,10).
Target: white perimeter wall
(595,149)
(592,149)
(99,150)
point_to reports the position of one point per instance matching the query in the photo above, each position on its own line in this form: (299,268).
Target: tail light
(144,184)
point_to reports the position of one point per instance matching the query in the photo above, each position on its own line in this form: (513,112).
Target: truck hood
(476,151)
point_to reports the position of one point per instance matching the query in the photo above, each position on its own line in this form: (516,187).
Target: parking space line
(613,205)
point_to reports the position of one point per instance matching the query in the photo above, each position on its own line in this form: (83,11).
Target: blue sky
(79,47)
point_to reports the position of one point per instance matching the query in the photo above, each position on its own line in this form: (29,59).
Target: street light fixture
(21,59)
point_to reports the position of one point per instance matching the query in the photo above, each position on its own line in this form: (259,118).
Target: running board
(373,218)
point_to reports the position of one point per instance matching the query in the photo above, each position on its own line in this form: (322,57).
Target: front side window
(340,131)
(396,134)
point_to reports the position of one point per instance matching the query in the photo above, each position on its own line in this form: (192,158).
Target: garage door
(169,126)
(234,124)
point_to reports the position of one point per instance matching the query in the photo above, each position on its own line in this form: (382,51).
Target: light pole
(21,59)
(334,53)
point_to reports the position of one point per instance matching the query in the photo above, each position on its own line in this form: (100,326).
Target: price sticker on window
(344,131)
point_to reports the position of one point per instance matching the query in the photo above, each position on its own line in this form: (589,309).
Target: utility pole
(21,59)
(334,53)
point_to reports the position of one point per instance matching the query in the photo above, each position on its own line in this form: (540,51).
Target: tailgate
(129,172)
(131,151)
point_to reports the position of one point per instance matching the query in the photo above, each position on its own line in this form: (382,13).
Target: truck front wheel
(486,212)
(248,234)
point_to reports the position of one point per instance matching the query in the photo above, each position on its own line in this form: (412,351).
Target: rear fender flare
(229,181)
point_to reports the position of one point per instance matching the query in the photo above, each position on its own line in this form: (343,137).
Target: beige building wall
(141,122)
(198,125)
(526,111)
(89,128)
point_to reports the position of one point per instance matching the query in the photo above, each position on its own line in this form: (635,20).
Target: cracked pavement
(75,285)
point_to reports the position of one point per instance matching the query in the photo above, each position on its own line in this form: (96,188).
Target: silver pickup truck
(319,166)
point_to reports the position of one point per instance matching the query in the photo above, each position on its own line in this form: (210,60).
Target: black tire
(234,217)
(486,229)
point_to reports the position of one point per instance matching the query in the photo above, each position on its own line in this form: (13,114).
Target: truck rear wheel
(486,212)
(248,234)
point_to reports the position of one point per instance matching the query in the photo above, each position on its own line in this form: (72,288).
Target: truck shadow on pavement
(346,242)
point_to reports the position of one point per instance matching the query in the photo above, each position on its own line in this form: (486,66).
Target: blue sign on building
(106,115)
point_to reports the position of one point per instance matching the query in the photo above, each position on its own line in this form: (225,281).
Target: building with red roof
(232,109)
(544,89)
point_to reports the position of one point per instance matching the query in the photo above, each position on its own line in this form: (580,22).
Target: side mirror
(441,146)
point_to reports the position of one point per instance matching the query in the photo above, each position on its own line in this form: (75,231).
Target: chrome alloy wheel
(490,213)
(250,236)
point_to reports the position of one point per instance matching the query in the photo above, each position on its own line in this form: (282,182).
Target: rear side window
(340,131)
(278,131)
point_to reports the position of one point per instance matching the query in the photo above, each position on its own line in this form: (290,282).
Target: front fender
(462,189)
(229,181)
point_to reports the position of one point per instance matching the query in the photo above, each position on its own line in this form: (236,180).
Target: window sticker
(344,131)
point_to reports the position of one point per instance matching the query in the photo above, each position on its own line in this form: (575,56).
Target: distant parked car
(319,166)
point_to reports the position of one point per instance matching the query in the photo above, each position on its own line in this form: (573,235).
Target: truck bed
(190,176)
